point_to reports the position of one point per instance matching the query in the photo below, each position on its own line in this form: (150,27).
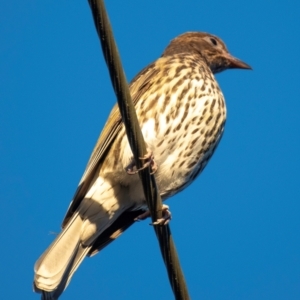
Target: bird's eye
(214,41)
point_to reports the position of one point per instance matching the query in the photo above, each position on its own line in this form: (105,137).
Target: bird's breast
(183,129)
(182,117)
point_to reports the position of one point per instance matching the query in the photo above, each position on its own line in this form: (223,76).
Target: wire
(138,147)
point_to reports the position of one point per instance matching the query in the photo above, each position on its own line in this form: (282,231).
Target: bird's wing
(141,83)
(125,220)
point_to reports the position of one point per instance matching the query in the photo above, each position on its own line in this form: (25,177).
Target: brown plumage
(181,111)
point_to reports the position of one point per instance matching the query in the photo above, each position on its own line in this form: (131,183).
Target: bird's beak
(235,63)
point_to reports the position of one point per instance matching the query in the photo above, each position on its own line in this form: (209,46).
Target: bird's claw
(167,216)
(149,161)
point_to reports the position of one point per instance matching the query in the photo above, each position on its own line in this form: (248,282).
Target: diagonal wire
(138,147)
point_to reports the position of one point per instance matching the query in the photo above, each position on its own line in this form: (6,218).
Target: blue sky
(236,228)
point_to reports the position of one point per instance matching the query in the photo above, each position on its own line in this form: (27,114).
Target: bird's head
(211,48)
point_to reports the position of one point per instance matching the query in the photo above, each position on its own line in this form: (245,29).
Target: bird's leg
(148,159)
(162,221)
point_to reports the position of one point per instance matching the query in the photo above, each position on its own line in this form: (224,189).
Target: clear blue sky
(236,228)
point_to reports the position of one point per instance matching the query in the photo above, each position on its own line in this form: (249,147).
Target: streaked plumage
(182,113)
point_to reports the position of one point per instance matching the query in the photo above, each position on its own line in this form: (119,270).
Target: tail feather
(62,256)
(54,294)
(94,216)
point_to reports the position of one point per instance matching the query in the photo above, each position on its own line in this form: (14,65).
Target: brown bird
(182,112)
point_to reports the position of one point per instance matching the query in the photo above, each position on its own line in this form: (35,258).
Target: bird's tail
(54,269)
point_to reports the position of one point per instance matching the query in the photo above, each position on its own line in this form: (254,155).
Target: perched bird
(182,113)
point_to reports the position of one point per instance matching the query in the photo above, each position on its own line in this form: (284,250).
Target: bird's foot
(148,159)
(167,216)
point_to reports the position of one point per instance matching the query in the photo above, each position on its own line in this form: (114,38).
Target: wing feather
(141,83)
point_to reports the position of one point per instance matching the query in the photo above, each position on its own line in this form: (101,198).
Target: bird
(182,113)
